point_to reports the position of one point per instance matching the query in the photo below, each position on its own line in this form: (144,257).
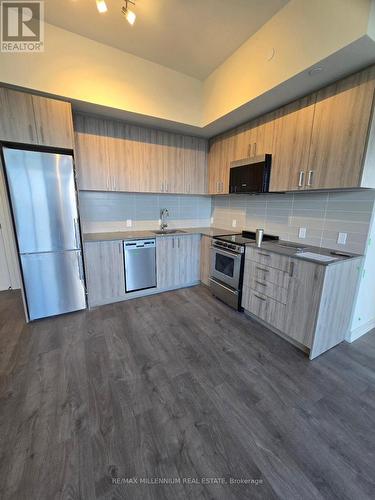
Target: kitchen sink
(294,246)
(169,231)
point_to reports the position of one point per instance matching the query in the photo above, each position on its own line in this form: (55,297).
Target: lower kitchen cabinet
(308,303)
(205,259)
(105,276)
(178,261)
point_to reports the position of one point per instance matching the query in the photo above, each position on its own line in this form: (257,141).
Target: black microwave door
(247,179)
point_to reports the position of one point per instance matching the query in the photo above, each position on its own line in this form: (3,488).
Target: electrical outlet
(212,220)
(234,223)
(302,232)
(129,223)
(341,239)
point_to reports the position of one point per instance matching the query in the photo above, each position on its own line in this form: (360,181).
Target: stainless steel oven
(226,272)
(225,264)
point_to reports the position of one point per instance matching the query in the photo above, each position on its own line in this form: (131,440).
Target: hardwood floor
(178,385)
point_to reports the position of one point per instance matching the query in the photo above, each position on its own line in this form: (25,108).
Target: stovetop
(244,238)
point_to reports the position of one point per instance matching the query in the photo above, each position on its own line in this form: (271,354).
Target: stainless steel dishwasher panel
(140,264)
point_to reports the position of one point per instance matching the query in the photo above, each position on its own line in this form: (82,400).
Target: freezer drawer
(140,264)
(53,283)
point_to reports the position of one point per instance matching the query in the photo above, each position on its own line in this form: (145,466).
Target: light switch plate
(341,239)
(212,220)
(129,223)
(302,232)
(234,223)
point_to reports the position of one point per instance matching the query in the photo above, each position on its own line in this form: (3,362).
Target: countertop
(277,247)
(138,235)
(274,246)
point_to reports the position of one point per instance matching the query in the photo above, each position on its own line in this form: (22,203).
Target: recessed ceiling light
(101,6)
(315,71)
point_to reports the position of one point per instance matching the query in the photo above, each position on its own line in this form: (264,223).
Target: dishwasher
(140,264)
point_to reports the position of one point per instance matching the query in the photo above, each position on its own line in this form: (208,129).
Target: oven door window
(224,264)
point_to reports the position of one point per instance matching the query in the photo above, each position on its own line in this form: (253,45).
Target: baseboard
(141,293)
(361,330)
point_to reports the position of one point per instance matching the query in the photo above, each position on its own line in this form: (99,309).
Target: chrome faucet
(163,214)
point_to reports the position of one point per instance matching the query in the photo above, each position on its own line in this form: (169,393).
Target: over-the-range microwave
(251,175)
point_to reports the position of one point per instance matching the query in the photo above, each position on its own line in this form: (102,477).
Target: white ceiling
(190,36)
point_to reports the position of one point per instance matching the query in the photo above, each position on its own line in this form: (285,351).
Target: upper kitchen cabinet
(17,121)
(341,131)
(221,153)
(30,119)
(291,144)
(91,153)
(194,157)
(115,156)
(54,123)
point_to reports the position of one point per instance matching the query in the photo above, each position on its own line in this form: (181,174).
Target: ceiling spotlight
(129,14)
(101,6)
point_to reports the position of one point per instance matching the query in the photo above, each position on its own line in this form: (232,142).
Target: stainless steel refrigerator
(44,205)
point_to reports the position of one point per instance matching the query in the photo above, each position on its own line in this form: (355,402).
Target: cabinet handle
(80,269)
(249,150)
(166,187)
(291,268)
(172,242)
(178,242)
(162,187)
(260,298)
(260,283)
(264,254)
(301,178)
(41,133)
(310,178)
(262,269)
(254,149)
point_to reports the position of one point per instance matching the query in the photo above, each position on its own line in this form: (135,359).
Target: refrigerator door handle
(76,233)
(80,267)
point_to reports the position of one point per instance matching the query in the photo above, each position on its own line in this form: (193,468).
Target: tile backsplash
(103,211)
(323,215)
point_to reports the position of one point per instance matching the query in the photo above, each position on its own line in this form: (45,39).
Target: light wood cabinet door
(205,261)
(261,140)
(291,145)
(17,120)
(302,307)
(194,157)
(105,274)
(54,124)
(120,157)
(167,262)
(221,153)
(92,154)
(172,145)
(339,135)
(189,258)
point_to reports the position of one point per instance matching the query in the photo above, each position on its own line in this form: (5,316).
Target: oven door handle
(226,252)
(235,292)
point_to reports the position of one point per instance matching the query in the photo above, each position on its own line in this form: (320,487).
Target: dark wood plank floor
(178,386)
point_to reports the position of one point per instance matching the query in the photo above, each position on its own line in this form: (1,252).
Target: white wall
(102,211)
(302,33)
(78,68)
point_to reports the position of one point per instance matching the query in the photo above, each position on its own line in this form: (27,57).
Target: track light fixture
(129,14)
